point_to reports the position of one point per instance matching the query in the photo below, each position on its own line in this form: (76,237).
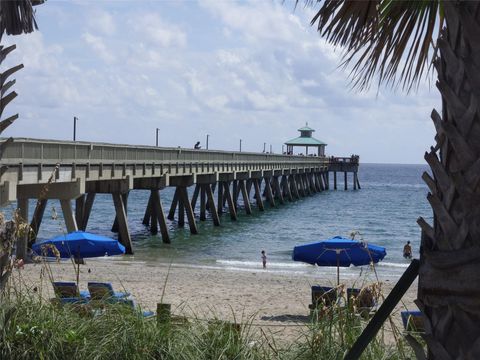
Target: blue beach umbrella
(81,244)
(338,251)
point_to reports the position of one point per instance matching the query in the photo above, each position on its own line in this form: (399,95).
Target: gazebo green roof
(305,141)
(306,128)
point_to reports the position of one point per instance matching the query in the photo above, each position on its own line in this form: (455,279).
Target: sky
(254,71)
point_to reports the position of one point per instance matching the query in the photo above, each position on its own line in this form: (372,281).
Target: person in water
(407,251)
(264,259)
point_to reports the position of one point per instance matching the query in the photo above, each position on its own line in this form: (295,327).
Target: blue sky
(250,70)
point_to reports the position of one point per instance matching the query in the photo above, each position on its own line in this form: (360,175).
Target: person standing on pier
(264,259)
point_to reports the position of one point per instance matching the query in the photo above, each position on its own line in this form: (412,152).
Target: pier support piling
(334,180)
(268,191)
(258,195)
(195,197)
(278,191)
(37,220)
(159,215)
(246,199)
(345,180)
(211,205)
(173,206)
(183,199)
(228,195)
(124,233)
(87,210)
(67,211)
(220,199)
(203,198)
(148,211)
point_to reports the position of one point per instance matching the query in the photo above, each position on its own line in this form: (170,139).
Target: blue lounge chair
(68,289)
(323,295)
(413,321)
(131,303)
(103,291)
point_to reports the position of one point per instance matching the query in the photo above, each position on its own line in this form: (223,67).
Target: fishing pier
(205,181)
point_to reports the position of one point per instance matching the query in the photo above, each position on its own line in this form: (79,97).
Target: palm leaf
(17,16)
(388,38)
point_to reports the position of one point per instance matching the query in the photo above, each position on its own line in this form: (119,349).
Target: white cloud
(100,21)
(97,44)
(157,31)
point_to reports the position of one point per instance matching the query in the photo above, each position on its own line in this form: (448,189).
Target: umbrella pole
(338,271)
(78,274)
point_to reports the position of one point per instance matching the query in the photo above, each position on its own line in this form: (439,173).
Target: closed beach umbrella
(339,252)
(79,245)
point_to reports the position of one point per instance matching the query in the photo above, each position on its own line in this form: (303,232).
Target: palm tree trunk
(449,279)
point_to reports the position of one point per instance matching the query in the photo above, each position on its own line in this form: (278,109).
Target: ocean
(384,212)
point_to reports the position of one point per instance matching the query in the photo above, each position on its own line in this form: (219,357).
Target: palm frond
(388,38)
(17,16)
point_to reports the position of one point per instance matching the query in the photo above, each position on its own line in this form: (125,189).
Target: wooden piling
(181,211)
(195,197)
(37,220)
(79,208)
(246,199)
(354,181)
(258,195)
(334,180)
(358,183)
(211,204)
(220,199)
(67,210)
(124,233)
(294,186)
(148,210)
(268,191)
(153,215)
(115,222)
(173,206)
(278,191)
(160,215)
(87,210)
(231,206)
(203,196)
(188,209)
(286,188)
(345,180)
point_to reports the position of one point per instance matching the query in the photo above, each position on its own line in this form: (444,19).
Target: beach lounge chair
(131,303)
(413,321)
(322,295)
(104,291)
(361,300)
(68,289)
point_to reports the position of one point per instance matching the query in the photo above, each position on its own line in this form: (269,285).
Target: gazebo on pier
(306,140)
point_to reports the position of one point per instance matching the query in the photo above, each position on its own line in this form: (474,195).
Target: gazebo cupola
(306,140)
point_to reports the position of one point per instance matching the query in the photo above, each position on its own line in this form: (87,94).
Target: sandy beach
(268,299)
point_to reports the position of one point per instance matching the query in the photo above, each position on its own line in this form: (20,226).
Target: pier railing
(48,151)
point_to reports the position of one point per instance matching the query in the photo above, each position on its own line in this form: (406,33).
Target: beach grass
(35,329)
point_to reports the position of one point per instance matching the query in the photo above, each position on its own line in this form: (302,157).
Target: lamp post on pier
(156,137)
(264,144)
(206,145)
(240,145)
(270,148)
(75,119)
